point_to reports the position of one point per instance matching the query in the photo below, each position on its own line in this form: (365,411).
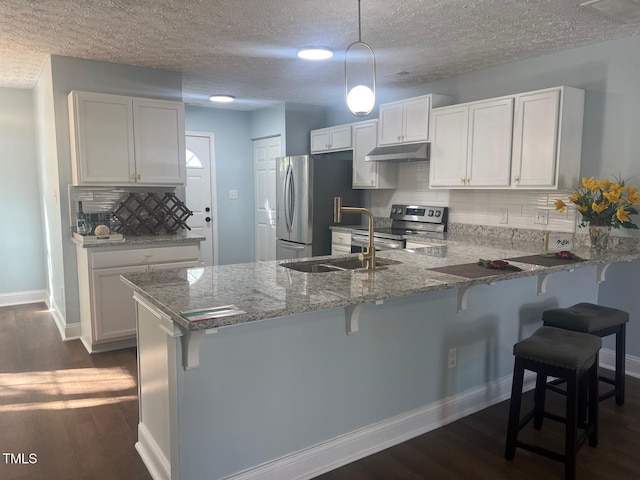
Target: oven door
(360,242)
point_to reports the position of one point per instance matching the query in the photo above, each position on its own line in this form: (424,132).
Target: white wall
(21,237)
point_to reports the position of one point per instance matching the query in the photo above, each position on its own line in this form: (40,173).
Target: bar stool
(572,356)
(600,321)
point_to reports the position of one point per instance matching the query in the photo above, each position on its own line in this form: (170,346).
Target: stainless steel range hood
(412,152)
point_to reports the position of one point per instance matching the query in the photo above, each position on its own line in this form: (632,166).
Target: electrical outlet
(233,194)
(453,357)
(542,216)
(504,215)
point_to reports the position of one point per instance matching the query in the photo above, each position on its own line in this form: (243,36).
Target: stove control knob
(438,213)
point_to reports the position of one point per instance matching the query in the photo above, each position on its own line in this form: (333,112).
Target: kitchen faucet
(370,254)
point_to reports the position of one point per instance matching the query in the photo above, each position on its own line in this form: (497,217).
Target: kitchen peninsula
(323,368)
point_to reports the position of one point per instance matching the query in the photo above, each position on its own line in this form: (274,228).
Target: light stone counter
(268,290)
(145,241)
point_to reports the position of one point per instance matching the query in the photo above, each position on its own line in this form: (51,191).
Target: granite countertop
(267,290)
(144,240)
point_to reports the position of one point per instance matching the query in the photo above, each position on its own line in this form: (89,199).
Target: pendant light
(362,98)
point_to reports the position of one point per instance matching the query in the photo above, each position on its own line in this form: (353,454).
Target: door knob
(207,209)
(208,219)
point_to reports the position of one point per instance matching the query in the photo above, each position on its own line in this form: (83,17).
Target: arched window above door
(193,161)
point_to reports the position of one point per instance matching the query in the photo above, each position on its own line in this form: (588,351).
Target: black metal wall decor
(141,214)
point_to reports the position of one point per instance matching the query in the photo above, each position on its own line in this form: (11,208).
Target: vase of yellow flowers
(603,205)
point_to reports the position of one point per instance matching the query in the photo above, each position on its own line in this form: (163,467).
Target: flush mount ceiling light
(315,53)
(362,98)
(222,98)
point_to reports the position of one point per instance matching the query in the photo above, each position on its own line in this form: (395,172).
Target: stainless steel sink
(334,265)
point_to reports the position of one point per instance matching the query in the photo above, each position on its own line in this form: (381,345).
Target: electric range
(405,220)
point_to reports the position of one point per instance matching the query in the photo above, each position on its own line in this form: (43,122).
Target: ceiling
(247,48)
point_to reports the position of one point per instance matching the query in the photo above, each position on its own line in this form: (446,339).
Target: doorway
(265,152)
(200,193)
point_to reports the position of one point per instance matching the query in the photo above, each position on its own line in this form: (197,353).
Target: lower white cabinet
(340,243)
(107,308)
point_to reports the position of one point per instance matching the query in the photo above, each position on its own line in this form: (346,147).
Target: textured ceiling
(247,48)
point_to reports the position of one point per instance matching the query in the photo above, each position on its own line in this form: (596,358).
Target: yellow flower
(633,197)
(613,195)
(599,207)
(574,198)
(582,208)
(621,214)
(560,205)
(590,184)
(606,184)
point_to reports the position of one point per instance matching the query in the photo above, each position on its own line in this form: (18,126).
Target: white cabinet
(370,175)
(547,143)
(107,308)
(118,140)
(471,144)
(407,121)
(530,140)
(340,243)
(332,139)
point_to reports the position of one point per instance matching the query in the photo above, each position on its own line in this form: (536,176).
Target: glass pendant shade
(361,100)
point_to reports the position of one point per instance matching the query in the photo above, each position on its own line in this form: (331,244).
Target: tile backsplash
(500,208)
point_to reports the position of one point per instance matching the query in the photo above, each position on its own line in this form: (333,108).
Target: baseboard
(358,444)
(108,346)
(23,298)
(608,361)
(148,449)
(67,332)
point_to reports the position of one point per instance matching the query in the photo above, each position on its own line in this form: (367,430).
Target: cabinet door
(114,315)
(489,149)
(365,174)
(159,142)
(101,129)
(320,140)
(390,126)
(449,139)
(340,138)
(536,139)
(415,121)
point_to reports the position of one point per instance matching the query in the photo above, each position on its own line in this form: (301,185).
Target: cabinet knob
(132,177)
(208,219)
(516,179)
(139,177)
(462,180)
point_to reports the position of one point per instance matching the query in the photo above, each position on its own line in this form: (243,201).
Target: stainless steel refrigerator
(305,187)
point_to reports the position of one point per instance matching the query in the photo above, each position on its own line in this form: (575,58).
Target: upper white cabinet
(407,121)
(332,139)
(471,144)
(118,140)
(547,139)
(370,175)
(530,140)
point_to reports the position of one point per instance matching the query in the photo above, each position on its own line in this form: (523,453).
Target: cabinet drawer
(341,238)
(144,256)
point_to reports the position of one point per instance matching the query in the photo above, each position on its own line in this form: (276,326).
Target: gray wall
(60,76)
(234,171)
(21,237)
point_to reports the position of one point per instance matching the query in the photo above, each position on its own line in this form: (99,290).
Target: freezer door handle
(286,198)
(292,200)
(291,246)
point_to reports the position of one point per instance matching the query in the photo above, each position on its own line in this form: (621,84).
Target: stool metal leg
(514,409)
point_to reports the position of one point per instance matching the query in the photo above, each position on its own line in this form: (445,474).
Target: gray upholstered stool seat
(600,321)
(572,357)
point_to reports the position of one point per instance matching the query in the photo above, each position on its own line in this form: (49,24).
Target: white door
(200,193)
(265,152)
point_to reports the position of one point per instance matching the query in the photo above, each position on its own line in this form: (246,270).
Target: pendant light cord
(359,24)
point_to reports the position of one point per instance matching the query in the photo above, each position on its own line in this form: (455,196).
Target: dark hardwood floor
(78,413)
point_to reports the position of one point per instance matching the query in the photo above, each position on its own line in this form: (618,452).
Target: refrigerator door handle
(292,196)
(285,197)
